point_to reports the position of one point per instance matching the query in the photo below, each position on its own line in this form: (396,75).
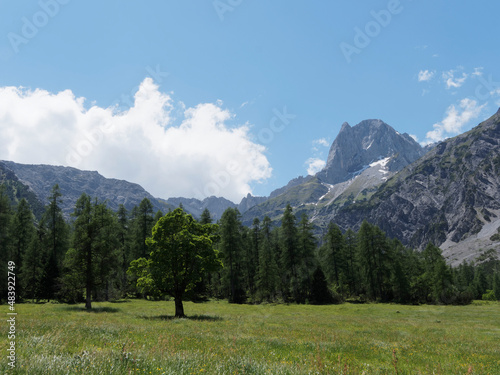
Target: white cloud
(200,157)
(321,142)
(478,71)
(454,121)
(425,75)
(452,81)
(415,138)
(314,165)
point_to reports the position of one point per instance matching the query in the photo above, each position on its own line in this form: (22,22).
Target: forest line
(98,255)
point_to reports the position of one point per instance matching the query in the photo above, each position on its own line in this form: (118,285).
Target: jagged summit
(358,146)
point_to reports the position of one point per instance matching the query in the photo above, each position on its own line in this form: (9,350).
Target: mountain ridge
(447,193)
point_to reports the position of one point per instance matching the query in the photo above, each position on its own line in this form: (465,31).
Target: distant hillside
(35,183)
(73,182)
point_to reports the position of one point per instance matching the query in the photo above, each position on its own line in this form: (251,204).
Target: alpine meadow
(181,192)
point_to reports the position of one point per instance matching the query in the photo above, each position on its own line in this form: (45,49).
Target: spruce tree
(496,285)
(289,260)
(123,238)
(231,252)
(93,258)
(56,241)
(267,273)
(332,255)
(206,218)
(143,222)
(33,269)
(306,262)
(367,258)
(22,233)
(351,260)
(5,237)
(320,294)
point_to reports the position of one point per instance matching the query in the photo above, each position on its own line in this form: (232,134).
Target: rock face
(361,158)
(16,191)
(356,147)
(73,182)
(449,196)
(250,201)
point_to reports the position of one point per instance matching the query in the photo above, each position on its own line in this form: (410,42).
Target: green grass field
(141,337)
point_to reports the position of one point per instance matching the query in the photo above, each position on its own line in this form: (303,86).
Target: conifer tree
(123,238)
(351,262)
(306,262)
(56,242)
(267,273)
(5,229)
(496,285)
(94,255)
(206,218)
(289,257)
(332,253)
(231,252)
(320,294)
(22,233)
(143,222)
(33,268)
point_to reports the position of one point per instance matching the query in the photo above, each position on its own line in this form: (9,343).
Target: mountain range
(446,193)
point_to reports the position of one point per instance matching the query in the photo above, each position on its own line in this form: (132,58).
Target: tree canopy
(181,250)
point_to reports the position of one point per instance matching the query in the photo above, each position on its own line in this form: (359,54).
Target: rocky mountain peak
(370,140)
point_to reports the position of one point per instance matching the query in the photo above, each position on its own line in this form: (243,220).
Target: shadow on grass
(96,310)
(201,318)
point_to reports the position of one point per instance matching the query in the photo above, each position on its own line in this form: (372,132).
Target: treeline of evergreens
(267,262)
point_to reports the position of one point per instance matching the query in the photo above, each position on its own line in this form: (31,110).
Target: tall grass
(141,337)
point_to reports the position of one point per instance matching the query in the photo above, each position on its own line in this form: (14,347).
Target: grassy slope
(141,337)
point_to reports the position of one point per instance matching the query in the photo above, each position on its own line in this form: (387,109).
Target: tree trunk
(179,307)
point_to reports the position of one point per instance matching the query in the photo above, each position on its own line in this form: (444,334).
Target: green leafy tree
(181,250)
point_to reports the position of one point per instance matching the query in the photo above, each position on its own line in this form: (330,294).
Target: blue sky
(138,90)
